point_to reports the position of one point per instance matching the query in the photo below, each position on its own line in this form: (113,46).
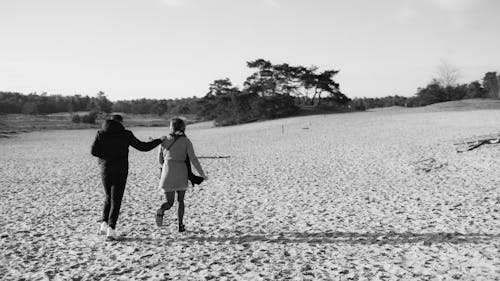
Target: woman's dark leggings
(170,202)
(114,187)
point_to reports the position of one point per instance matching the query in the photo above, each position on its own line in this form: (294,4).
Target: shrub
(89,118)
(278,106)
(358,105)
(76,118)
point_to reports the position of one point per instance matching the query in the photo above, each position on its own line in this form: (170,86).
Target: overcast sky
(175,48)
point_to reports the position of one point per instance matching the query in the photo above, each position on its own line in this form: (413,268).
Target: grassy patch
(17,123)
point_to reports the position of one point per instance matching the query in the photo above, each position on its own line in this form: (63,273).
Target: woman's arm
(194,159)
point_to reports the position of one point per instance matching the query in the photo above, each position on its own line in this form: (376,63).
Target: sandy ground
(359,196)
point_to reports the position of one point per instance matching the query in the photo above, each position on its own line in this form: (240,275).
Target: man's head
(117,117)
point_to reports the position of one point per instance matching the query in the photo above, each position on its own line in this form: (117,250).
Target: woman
(174,175)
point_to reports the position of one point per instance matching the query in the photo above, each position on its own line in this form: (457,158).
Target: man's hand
(163,138)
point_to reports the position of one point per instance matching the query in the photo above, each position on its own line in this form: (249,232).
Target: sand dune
(358,196)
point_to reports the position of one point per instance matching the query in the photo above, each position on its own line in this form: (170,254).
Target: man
(111,146)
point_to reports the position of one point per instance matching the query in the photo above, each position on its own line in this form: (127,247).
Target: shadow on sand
(393,238)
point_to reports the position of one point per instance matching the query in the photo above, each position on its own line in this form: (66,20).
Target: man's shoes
(111,234)
(103,229)
(159,218)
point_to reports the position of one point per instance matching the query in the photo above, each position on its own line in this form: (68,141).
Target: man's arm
(142,146)
(96,149)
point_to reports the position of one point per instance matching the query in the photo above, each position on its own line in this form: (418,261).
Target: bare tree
(447,74)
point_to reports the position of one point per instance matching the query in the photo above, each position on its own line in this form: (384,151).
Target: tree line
(441,89)
(12,102)
(271,91)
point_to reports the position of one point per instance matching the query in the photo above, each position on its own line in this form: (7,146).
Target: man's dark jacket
(111,145)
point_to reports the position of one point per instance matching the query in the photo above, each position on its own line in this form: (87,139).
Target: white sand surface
(359,196)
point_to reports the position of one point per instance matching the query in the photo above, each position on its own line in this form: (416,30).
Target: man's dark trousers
(114,179)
